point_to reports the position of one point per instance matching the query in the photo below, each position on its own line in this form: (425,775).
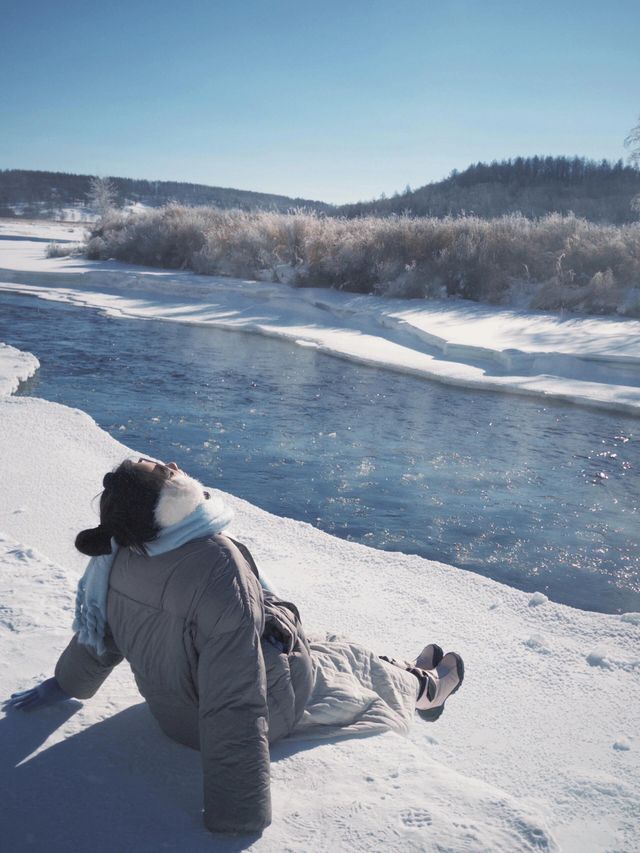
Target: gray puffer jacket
(224,666)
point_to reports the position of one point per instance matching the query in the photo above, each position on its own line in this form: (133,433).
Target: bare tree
(632,142)
(102,195)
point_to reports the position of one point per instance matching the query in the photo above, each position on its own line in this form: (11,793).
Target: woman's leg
(438,676)
(428,658)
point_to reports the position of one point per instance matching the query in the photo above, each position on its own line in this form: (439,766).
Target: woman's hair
(127,507)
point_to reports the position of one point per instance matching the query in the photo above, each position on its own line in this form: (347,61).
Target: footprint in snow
(599,657)
(416,817)
(623,744)
(612,659)
(22,554)
(537,643)
(537,599)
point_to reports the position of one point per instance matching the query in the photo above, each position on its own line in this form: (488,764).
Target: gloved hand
(46,693)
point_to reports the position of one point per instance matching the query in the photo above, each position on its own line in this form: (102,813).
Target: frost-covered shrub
(630,304)
(563,262)
(601,295)
(168,237)
(97,249)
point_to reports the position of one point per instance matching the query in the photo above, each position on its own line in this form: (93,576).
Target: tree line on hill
(599,191)
(37,193)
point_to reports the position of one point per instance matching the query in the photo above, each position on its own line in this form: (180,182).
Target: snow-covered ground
(539,750)
(15,367)
(37,231)
(589,360)
(77,213)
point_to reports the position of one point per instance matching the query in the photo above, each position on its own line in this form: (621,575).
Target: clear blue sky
(338,101)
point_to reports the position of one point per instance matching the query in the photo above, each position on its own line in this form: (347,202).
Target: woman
(222,662)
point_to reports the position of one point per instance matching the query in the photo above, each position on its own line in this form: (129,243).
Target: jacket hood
(179,497)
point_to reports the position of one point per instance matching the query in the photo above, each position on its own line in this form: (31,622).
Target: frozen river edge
(590,361)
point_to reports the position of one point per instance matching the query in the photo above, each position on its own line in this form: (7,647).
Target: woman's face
(150,465)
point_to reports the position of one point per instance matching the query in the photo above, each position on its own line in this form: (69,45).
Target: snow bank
(38,231)
(538,750)
(15,367)
(588,360)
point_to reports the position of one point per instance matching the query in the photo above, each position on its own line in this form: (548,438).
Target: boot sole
(433,714)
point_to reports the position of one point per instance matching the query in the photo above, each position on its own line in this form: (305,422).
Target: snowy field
(77,214)
(588,360)
(539,750)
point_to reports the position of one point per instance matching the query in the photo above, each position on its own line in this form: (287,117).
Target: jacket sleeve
(234,741)
(80,671)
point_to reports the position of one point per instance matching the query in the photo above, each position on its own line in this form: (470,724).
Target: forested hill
(534,186)
(35,193)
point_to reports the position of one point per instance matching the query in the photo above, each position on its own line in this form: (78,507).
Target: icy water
(542,497)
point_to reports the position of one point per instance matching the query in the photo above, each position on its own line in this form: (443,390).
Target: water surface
(542,497)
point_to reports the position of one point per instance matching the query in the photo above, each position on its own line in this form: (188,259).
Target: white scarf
(207,519)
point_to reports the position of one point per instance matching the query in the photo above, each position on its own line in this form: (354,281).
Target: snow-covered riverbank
(588,360)
(539,750)
(15,367)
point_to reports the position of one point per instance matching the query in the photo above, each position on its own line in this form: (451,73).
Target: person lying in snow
(223,662)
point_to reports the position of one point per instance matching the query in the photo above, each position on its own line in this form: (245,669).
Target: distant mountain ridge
(38,193)
(600,191)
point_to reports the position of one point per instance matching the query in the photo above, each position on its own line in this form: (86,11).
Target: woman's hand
(46,693)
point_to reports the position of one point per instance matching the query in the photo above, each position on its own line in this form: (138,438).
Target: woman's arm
(80,670)
(234,739)
(79,673)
